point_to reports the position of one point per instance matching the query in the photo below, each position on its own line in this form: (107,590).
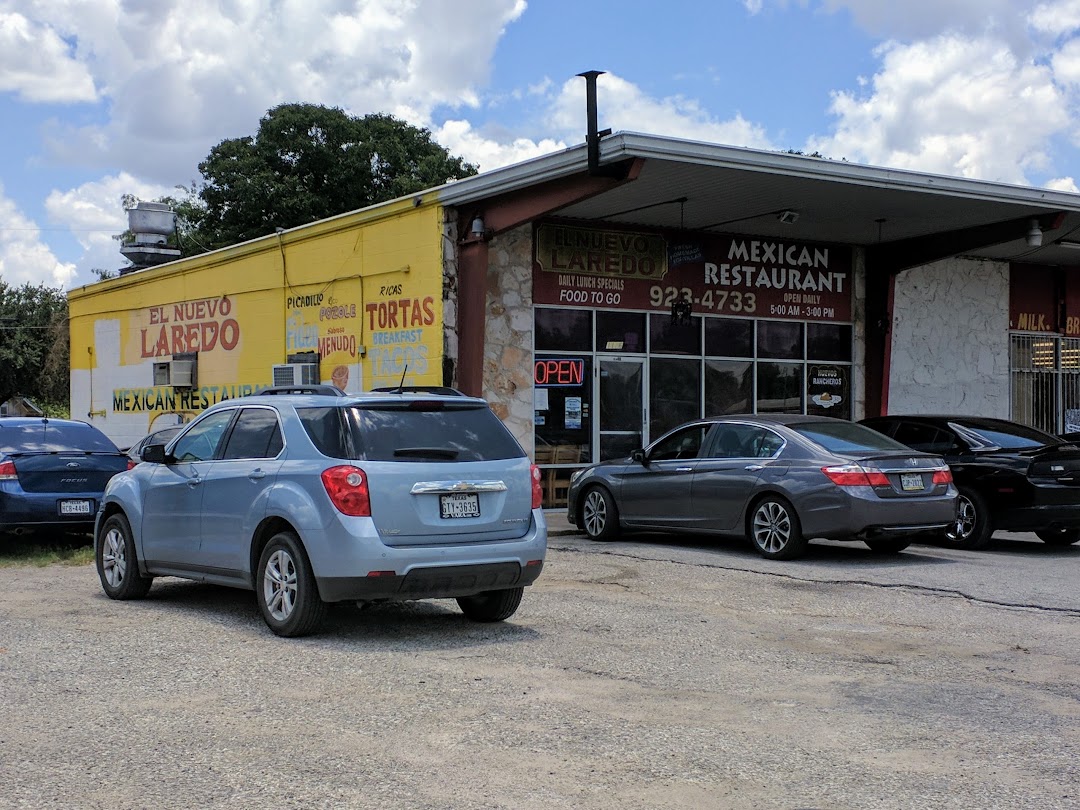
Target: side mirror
(638,455)
(154,453)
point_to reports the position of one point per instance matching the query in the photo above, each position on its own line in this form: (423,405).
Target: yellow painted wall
(372,279)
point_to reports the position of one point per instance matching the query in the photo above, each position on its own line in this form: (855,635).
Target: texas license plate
(76,507)
(911,482)
(459,505)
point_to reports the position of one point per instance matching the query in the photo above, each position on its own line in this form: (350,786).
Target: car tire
(1059,537)
(774,529)
(117,562)
(973,528)
(887,545)
(599,515)
(491,606)
(285,588)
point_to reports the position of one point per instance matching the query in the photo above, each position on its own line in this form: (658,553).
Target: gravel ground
(625,681)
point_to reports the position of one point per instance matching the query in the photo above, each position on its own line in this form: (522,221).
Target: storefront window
(779,387)
(782,340)
(562,400)
(729,386)
(729,337)
(828,341)
(668,338)
(622,332)
(674,393)
(563,330)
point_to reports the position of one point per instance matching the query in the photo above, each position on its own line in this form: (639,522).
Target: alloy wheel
(279,585)
(965,519)
(114,558)
(772,527)
(594,513)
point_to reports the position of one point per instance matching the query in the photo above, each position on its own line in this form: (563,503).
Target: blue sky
(104,97)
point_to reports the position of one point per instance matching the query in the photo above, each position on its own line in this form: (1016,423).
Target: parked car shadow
(432,624)
(1014,544)
(817,551)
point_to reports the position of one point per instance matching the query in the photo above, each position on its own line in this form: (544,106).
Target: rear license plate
(463,505)
(911,482)
(76,507)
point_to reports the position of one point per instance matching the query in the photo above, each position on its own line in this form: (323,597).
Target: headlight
(576,474)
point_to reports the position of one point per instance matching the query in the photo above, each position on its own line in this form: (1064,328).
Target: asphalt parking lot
(649,672)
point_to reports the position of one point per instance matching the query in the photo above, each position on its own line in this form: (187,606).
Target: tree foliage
(34,345)
(306,162)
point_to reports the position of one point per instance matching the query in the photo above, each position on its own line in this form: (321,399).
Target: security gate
(1045,378)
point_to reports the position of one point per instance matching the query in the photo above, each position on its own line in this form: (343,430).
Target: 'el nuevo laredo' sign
(718,275)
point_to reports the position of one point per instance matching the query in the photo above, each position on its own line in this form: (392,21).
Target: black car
(1010,476)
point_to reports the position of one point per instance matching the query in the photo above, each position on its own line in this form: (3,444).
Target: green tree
(306,162)
(34,345)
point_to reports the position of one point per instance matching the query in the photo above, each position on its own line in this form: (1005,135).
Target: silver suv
(310,499)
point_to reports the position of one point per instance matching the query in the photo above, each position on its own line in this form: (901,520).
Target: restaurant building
(601,295)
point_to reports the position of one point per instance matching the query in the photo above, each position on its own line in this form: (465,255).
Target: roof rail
(442,390)
(325,390)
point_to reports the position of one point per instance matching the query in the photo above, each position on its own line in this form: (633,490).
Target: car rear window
(1006,435)
(846,437)
(51,437)
(416,430)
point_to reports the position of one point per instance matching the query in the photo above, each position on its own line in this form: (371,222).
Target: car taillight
(537,490)
(348,490)
(943,476)
(7,471)
(131,464)
(852,475)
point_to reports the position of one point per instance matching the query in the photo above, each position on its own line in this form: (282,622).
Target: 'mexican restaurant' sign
(719,275)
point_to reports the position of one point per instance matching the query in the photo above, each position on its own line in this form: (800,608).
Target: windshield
(847,437)
(999,433)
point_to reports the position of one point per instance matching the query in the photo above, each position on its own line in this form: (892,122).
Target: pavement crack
(930,590)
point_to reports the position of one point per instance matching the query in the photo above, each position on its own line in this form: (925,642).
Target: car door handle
(684,469)
(255,475)
(754,467)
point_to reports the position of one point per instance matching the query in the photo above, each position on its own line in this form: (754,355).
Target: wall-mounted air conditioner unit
(296,374)
(161,373)
(182,373)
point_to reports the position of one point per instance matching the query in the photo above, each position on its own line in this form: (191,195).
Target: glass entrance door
(620,394)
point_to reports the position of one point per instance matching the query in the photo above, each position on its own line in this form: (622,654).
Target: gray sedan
(778,479)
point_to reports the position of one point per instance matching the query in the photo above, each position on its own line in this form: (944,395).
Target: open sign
(566,371)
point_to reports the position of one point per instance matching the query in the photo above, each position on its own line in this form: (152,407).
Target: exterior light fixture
(788,217)
(476,229)
(1034,234)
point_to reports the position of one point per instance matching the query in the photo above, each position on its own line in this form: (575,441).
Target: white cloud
(1062,184)
(94,214)
(489,153)
(181,76)
(35,63)
(952,106)
(626,107)
(1056,18)
(23,256)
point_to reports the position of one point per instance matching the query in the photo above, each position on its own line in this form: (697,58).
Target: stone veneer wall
(950,339)
(508,333)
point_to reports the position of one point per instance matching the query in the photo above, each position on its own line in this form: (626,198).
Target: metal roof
(725,189)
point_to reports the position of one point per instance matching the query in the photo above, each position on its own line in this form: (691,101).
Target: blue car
(309,499)
(53,473)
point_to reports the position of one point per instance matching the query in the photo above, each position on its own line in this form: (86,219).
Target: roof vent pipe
(593,137)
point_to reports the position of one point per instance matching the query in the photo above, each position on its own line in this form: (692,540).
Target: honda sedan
(778,479)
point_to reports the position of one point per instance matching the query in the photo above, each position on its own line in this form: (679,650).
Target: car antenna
(401,385)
